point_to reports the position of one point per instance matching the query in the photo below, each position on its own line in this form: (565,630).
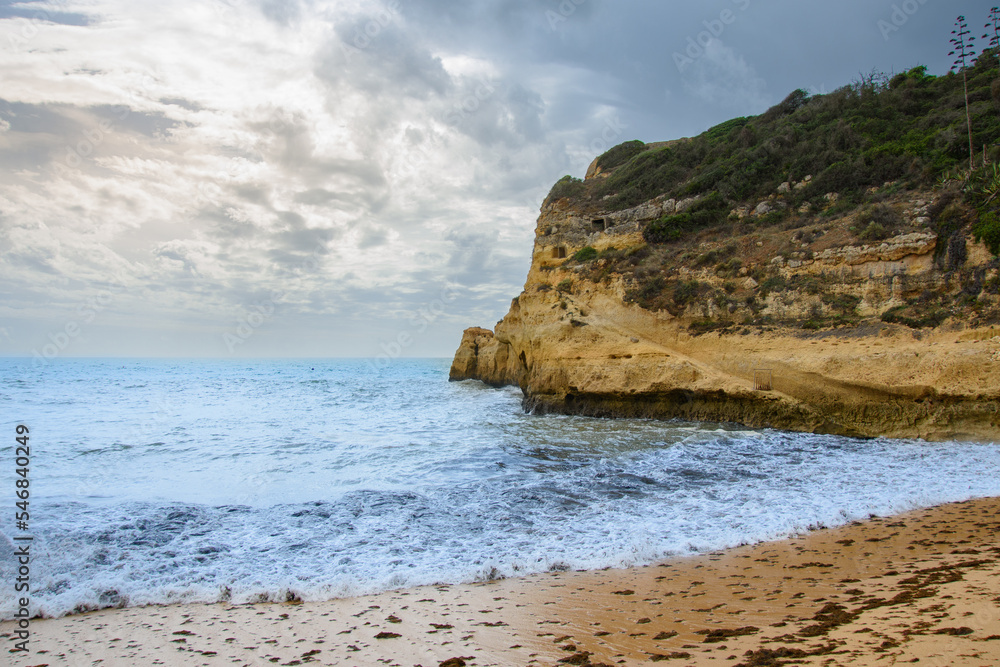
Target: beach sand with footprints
(922,587)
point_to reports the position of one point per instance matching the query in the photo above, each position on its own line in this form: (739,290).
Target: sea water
(159,481)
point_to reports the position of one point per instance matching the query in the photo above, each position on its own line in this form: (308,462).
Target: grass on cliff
(885,145)
(909,127)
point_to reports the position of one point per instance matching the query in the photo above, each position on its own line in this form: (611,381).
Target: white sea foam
(165,482)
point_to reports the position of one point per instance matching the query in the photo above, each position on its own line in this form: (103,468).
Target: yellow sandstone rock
(576,345)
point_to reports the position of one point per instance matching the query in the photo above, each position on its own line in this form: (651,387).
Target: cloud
(354,157)
(723,77)
(40,13)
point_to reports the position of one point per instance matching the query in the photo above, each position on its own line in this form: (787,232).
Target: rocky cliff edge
(803,327)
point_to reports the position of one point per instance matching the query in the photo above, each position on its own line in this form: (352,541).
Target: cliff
(806,339)
(828,266)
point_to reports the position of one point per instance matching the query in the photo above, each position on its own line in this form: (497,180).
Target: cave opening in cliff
(559,252)
(600,225)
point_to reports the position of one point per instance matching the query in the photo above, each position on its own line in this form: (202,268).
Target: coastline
(920,585)
(874,381)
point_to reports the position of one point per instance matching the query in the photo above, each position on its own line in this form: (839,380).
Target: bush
(649,295)
(987,230)
(795,100)
(565,285)
(873,232)
(710,210)
(898,315)
(910,128)
(566,187)
(772,284)
(585,254)
(808,284)
(729,268)
(686,291)
(715,256)
(620,154)
(878,222)
(847,304)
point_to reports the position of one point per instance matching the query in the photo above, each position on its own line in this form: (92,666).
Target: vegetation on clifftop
(910,128)
(759,203)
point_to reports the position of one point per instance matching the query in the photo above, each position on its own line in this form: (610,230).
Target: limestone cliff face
(482,356)
(810,330)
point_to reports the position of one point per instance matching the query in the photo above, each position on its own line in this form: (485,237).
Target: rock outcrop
(805,331)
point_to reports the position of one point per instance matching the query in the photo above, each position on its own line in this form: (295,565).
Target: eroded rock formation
(671,335)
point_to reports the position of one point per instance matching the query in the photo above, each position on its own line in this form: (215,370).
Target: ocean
(161,481)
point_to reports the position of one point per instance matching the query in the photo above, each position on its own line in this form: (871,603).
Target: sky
(355,178)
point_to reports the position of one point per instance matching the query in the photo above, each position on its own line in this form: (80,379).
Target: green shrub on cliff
(708,211)
(620,154)
(909,127)
(914,318)
(982,190)
(585,254)
(566,187)
(686,291)
(878,222)
(847,304)
(987,230)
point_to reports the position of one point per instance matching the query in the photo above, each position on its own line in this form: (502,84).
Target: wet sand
(923,587)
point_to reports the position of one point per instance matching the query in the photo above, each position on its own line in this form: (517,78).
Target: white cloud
(203,153)
(234,155)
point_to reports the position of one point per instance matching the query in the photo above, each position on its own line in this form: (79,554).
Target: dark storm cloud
(491,112)
(625,51)
(392,63)
(500,25)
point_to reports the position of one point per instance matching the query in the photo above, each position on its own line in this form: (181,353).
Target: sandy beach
(922,587)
